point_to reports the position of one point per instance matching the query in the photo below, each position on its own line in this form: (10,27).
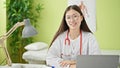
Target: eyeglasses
(73,17)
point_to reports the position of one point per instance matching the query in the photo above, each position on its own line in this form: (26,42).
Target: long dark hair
(63,26)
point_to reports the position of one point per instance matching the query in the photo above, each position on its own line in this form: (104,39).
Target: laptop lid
(97,61)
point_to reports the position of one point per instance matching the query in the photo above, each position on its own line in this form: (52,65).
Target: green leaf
(17,10)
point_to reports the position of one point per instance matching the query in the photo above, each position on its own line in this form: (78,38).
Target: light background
(2,25)
(108,21)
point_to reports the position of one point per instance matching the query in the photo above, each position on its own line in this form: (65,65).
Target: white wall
(2,26)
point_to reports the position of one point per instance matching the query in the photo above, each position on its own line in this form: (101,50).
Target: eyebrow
(73,14)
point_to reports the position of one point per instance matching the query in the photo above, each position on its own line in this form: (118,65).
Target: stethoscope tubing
(68,40)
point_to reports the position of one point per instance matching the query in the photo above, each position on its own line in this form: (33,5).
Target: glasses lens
(73,17)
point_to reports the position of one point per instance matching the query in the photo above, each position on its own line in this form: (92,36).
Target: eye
(75,16)
(68,17)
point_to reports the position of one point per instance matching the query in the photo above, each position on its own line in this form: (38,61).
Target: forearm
(53,62)
(73,62)
(72,66)
(65,63)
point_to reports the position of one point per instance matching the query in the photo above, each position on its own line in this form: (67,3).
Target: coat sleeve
(93,45)
(54,54)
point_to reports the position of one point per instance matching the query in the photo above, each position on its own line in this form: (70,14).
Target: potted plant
(17,10)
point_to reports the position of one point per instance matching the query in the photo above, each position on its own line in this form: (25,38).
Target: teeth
(73,24)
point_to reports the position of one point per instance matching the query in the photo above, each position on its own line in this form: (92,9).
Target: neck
(74,33)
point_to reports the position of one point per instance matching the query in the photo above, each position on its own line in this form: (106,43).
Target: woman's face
(73,19)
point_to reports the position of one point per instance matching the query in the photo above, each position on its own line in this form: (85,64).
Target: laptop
(97,61)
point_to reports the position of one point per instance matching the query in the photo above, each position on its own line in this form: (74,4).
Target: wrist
(72,66)
(73,62)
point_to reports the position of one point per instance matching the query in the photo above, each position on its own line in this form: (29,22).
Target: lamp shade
(28,30)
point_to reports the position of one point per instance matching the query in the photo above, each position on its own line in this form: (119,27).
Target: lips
(73,24)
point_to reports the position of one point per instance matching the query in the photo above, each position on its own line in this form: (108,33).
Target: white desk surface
(19,65)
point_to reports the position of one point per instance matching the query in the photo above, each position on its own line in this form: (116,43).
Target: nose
(72,19)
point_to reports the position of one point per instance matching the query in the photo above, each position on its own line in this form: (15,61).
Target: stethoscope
(68,40)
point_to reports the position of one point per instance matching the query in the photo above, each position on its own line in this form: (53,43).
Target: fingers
(64,64)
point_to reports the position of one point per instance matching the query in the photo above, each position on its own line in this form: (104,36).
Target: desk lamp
(28,31)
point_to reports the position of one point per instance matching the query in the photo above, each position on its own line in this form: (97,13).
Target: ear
(81,17)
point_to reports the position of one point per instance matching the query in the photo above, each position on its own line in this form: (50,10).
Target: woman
(72,38)
(88,8)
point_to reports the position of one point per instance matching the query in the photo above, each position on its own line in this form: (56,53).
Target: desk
(19,65)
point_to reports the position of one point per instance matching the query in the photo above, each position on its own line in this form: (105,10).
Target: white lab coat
(59,51)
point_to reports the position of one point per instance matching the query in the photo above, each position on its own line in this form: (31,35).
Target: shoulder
(62,35)
(59,39)
(88,34)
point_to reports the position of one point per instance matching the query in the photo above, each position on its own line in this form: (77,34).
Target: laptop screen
(97,61)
